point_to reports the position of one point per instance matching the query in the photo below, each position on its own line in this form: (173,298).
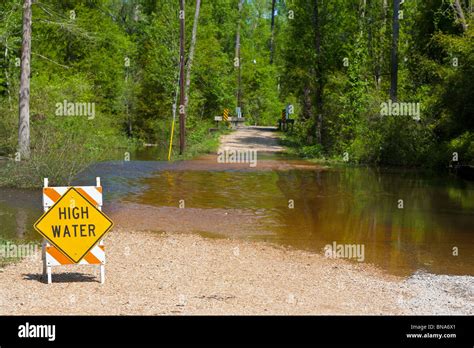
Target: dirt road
(262,139)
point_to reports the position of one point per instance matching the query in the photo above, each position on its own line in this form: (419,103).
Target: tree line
(336,62)
(344,61)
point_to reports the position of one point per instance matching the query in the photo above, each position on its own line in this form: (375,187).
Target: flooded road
(406,221)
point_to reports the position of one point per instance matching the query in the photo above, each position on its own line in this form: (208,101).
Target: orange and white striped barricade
(50,254)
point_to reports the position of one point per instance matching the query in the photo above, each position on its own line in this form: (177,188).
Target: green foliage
(80,51)
(464,146)
(431,43)
(81,56)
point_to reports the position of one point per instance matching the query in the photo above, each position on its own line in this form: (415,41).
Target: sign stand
(51,256)
(234,121)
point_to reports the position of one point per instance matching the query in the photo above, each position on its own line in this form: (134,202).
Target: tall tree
(380,52)
(319,72)
(272,37)
(394,55)
(182,109)
(191,53)
(24,102)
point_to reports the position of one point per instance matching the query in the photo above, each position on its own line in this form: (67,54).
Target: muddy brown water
(344,205)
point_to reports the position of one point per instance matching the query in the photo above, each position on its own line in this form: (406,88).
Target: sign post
(226,115)
(238,111)
(73,226)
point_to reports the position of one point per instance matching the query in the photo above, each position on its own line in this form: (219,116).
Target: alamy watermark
(390,108)
(345,251)
(28,330)
(67,108)
(13,251)
(237,156)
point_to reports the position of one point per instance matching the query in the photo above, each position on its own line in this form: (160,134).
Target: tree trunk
(460,14)
(24,102)
(319,73)
(307,103)
(362,8)
(272,32)
(378,68)
(127,106)
(7,76)
(394,58)
(191,53)
(182,109)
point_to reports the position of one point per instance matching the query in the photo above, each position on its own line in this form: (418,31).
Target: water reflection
(361,206)
(349,206)
(21,223)
(18,211)
(345,205)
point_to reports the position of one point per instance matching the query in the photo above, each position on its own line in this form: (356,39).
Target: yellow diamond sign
(73,225)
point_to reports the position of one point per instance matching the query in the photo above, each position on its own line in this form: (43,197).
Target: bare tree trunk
(394,58)
(24,112)
(7,76)
(378,68)
(362,8)
(182,109)
(191,53)
(237,55)
(127,105)
(460,14)
(307,103)
(272,38)
(319,73)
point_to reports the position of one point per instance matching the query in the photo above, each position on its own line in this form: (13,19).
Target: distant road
(262,139)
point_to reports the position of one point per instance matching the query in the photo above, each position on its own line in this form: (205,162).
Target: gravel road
(151,274)
(261,139)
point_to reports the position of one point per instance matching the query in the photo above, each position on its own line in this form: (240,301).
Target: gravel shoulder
(152,274)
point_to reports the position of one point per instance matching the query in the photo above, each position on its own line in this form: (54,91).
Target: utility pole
(237,55)
(182,109)
(24,109)
(191,53)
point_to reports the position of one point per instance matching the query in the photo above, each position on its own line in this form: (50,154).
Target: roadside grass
(60,156)
(202,142)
